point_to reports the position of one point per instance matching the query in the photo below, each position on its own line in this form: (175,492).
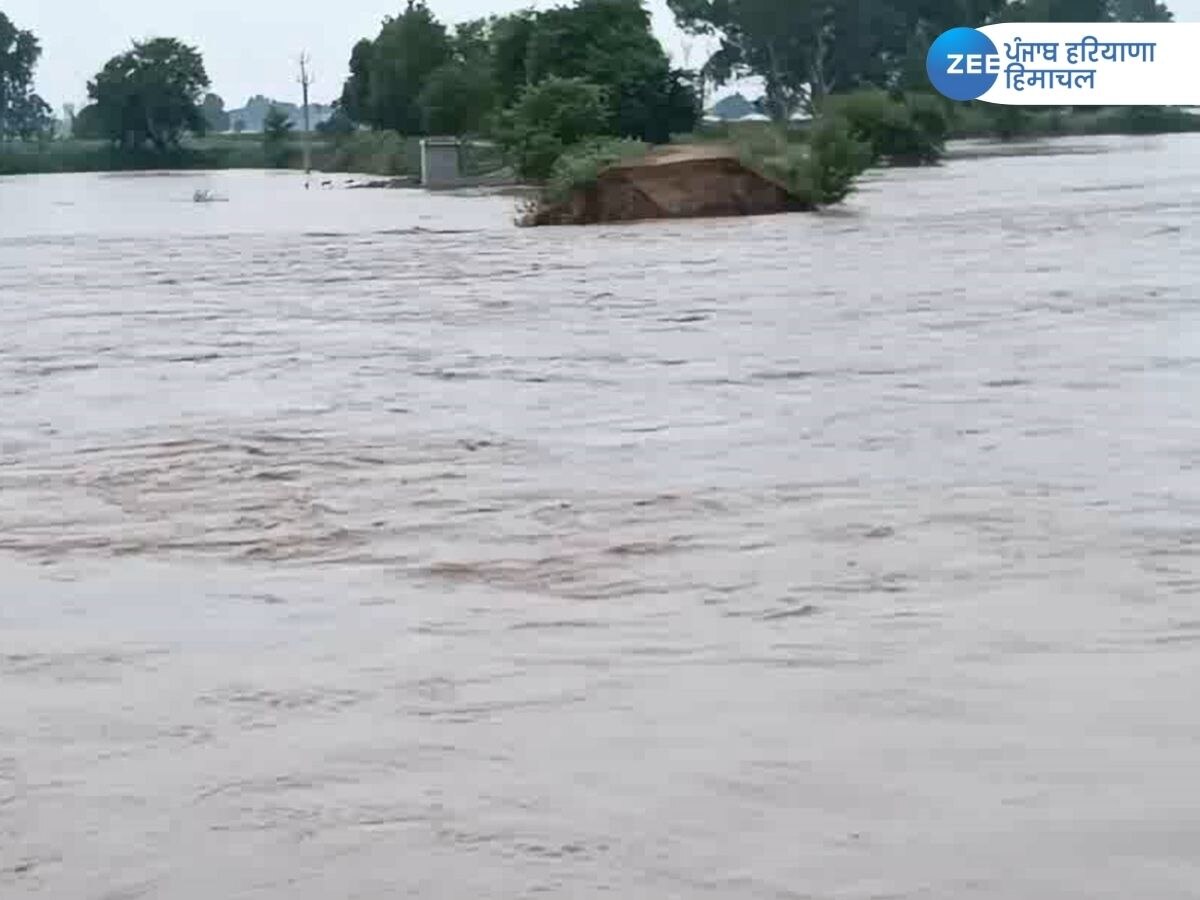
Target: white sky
(250,46)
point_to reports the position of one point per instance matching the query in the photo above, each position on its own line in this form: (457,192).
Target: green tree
(88,126)
(356,92)
(338,124)
(23,113)
(471,42)
(151,94)
(509,44)
(550,117)
(215,117)
(1086,11)
(611,43)
(806,49)
(277,136)
(459,96)
(388,74)
(456,99)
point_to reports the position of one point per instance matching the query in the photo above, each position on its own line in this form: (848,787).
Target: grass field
(392,155)
(367,153)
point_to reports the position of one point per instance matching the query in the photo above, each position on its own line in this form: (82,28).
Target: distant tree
(151,94)
(806,49)
(88,126)
(23,114)
(388,74)
(239,125)
(277,134)
(215,117)
(338,124)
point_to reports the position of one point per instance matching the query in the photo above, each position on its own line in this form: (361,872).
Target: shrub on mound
(907,130)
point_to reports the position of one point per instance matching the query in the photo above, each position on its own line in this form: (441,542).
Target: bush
(582,164)
(908,130)
(277,133)
(836,159)
(372,153)
(1147,120)
(821,172)
(547,119)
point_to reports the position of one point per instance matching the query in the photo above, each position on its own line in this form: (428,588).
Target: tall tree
(388,74)
(151,94)
(804,49)
(510,37)
(611,43)
(22,112)
(356,92)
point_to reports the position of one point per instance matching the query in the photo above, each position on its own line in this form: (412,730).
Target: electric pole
(305,80)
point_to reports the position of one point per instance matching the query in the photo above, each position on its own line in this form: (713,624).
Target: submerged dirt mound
(674,183)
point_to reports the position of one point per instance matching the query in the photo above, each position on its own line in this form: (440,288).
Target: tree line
(805,50)
(23,114)
(541,81)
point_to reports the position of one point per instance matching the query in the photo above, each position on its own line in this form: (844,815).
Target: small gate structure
(441,162)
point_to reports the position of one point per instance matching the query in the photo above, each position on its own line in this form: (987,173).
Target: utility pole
(305,80)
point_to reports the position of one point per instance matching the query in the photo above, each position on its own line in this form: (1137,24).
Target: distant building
(254,113)
(732,107)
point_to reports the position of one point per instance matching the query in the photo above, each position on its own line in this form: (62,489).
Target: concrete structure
(440,162)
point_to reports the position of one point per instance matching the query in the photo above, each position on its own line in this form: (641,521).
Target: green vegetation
(277,137)
(556,95)
(370,152)
(908,129)
(818,165)
(582,164)
(537,82)
(806,50)
(547,119)
(76,155)
(150,95)
(216,119)
(23,114)
(982,120)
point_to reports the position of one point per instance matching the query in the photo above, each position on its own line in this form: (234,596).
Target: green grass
(981,120)
(391,155)
(582,164)
(366,153)
(219,152)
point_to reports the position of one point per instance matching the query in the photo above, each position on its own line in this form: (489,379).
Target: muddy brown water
(357,544)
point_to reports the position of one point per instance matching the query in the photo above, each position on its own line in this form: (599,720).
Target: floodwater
(358,544)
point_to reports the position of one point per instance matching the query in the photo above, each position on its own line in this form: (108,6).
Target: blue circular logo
(962,64)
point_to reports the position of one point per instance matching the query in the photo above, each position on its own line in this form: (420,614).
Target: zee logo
(973,64)
(963,64)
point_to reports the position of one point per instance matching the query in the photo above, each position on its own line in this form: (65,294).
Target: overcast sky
(250,46)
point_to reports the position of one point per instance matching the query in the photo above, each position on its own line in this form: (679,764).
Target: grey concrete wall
(439,163)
